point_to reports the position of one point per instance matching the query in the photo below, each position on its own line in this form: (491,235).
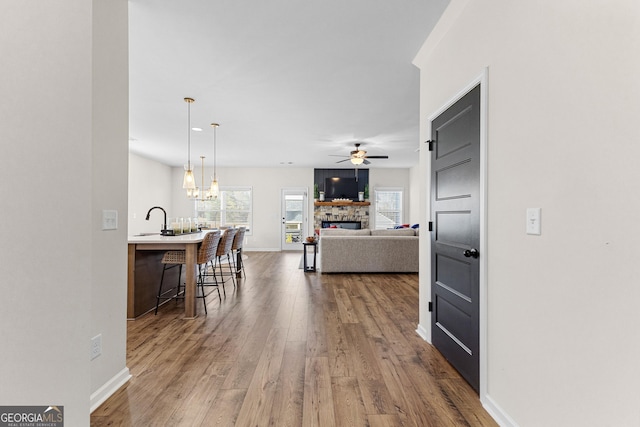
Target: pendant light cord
(189,134)
(215,137)
(202,178)
(189,101)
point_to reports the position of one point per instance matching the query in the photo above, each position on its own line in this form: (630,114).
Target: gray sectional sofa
(368,251)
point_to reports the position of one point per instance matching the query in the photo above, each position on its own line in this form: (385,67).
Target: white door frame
(304,191)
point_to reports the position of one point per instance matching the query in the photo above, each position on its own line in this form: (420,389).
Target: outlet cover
(96,346)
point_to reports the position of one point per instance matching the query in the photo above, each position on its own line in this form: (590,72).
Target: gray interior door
(455,236)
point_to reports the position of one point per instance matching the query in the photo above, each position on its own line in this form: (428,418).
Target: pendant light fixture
(215,189)
(189,181)
(202,194)
(199,193)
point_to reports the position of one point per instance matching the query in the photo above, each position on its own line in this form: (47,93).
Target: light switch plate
(533,221)
(109,220)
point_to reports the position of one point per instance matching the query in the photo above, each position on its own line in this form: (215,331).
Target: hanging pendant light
(215,188)
(202,193)
(189,181)
(196,192)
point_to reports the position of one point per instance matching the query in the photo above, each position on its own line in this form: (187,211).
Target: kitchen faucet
(164,230)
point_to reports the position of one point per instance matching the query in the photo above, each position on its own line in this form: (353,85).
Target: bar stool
(236,249)
(224,249)
(171,259)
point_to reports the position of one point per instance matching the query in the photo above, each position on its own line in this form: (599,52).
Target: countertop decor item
(311,239)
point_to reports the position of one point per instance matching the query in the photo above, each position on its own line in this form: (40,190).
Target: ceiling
(292,83)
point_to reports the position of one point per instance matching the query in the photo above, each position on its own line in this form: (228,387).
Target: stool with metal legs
(171,259)
(224,250)
(236,249)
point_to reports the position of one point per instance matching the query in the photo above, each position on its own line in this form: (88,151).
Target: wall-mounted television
(341,188)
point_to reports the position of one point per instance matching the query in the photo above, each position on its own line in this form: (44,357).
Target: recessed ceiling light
(197,129)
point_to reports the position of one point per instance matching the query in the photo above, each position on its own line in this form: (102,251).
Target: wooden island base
(145,270)
(148,272)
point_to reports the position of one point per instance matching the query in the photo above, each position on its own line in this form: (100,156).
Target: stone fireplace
(341,212)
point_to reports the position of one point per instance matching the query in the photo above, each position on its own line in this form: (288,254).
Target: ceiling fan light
(357,160)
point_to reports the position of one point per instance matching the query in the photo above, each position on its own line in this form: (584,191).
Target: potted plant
(316,193)
(366,192)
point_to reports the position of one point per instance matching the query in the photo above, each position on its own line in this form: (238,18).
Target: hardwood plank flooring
(288,348)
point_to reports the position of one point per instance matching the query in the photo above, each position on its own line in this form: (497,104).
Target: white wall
(51,133)
(109,191)
(414,195)
(149,185)
(563,102)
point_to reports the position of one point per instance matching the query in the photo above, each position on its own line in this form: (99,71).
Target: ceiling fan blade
(366,162)
(340,161)
(377,157)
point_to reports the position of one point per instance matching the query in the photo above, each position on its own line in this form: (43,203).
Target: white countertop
(157,238)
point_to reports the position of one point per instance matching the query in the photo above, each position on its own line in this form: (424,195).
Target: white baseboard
(424,334)
(103,393)
(497,413)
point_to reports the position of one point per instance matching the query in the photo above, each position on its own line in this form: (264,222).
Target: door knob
(471,253)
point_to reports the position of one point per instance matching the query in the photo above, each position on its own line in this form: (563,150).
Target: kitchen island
(145,270)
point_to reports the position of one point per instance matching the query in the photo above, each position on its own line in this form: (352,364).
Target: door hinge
(430,306)
(431,143)
(430,225)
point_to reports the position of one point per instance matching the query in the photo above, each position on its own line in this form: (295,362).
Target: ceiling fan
(359,156)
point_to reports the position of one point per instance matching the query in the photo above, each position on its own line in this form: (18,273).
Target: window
(232,208)
(388,207)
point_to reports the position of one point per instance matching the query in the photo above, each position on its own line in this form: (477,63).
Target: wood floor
(289,348)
